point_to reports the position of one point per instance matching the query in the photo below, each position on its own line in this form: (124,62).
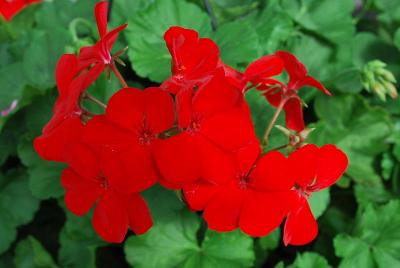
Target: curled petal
(294,114)
(300,226)
(101,14)
(262,68)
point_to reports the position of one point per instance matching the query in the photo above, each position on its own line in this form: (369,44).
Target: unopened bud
(377,79)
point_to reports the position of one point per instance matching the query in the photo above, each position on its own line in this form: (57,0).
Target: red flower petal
(223,211)
(110,219)
(8,9)
(231,130)
(67,67)
(193,58)
(215,96)
(331,165)
(159,110)
(247,156)
(294,114)
(139,216)
(217,165)
(303,165)
(126,108)
(270,173)
(51,146)
(178,160)
(129,171)
(312,82)
(300,226)
(83,160)
(262,212)
(199,194)
(262,68)
(296,70)
(101,14)
(80,193)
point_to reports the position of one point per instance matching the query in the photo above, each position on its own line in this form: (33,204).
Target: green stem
(273,121)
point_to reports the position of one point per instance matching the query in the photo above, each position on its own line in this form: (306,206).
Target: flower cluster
(10,8)
(193,133)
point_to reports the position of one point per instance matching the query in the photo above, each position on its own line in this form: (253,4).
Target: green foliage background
(359,218)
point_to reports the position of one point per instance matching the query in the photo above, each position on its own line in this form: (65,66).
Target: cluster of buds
(377,79)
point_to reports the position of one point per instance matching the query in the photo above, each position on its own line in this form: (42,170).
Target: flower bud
(377,79)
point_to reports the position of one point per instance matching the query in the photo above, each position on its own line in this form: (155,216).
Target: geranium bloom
(131,127)
(278,93)
(194,59)
(100,53)
(9,8)
(90,181)
(312,169)
(214,122)
(256,198)
(65,125)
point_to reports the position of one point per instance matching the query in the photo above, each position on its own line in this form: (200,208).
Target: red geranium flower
(312,169)
(100,53)
(214,122)
(131,127)
(256,198)
(9,8)
(194,59)
(90,181)
(65,125)
(278,93)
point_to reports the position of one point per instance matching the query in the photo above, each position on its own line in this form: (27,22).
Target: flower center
(103,181)
(194,125)
(304,192)
(243,181)
(146,137)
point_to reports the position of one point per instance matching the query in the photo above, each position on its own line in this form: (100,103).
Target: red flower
(276,92)
(93,180)
(256,198)
(194,59)
(65,125)
(131,127)
(100,53)
(9,8)
(214,122)
(312,169)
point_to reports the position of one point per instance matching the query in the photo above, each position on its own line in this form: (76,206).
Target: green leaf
(273,26)
(344,119)
(319,201)
(172,242)
(271,241)
(44,176)
(238,43)
(310,260)
(329,19)
(78,242)
(41,56)
(29,253)
(396,38)
(228,10)
(17,206)
(145,35)
(12,82)
(375,241)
